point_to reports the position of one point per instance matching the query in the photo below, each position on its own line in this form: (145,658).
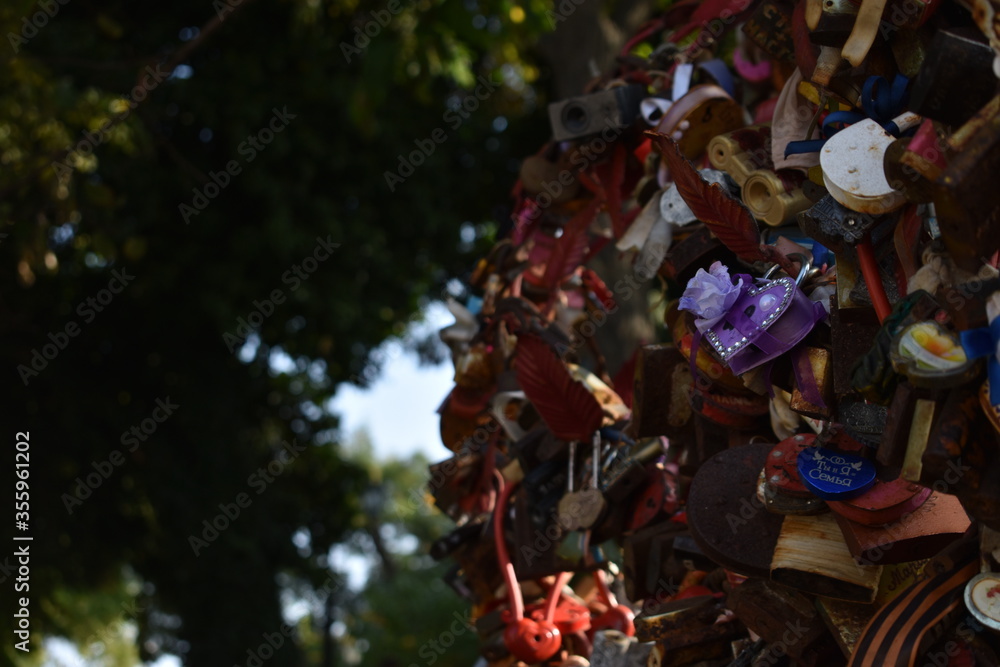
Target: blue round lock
(832,475)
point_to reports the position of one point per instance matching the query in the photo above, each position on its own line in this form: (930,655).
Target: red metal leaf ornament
(571,247)
(726,217)
(568,409)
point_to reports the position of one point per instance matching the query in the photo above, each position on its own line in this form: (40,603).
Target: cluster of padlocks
(807,473)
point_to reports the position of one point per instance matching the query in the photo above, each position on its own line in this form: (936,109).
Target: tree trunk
(581,47)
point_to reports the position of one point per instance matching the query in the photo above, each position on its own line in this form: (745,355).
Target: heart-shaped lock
(832,475)
(764,322)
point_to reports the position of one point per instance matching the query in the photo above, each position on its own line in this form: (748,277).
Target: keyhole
(750,310)
(727,326)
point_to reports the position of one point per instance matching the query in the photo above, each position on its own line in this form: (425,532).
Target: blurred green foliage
(91,183)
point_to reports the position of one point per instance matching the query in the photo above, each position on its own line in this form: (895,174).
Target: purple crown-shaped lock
(765,322)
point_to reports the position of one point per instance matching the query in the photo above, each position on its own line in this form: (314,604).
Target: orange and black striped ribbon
(894,637)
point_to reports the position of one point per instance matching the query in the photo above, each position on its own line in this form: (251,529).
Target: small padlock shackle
(805,268)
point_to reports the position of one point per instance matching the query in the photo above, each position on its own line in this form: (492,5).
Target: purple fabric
(793,322)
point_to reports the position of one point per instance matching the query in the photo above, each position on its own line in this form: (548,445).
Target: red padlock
(527,639)
(617,617)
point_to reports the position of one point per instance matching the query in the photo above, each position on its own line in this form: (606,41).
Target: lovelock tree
(191,192)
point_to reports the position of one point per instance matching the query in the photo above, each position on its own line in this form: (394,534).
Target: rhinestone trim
(788,286)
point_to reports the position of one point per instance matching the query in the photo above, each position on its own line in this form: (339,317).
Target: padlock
(675,210)
(956,79)
(727,521)
(470,532)
(983,503)
(536,447)
(896,435)
(610,649)
(874,374)
(859,239)
(735,411)
(862,420)
(698,250)
(968,210)
(896,578)
(615,616)
(884,503)
(573,547)
(921,159)
(742,152)
(586,115)
(835,23)
(780,615)
(628,473)
(691,556)
(775,197)
(780,488)
(537,532)
(853,166)
(690,630)
(846,622)
(849,340)
(581,510)
(659,498)
(529,639)
(649,567)
(770,28)
(452,482)
(659,396)
(946,402)
(920,533)
(811,556)
(833,474)
(955,452)
(462,412)
(477,576)
(675,619)
(703,112)
(820,364)
(539,175)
